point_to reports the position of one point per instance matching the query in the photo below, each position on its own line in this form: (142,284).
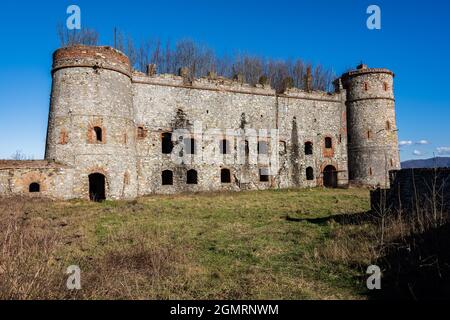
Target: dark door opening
(330,179)
(225,176)
(97,187)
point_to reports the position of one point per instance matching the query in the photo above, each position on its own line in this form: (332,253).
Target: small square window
(264,175)
(141,133)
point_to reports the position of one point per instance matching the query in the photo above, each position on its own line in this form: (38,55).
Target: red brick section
(95,57)
(63,137)
(29,164)
(91,136)
(80,52)
(328,152)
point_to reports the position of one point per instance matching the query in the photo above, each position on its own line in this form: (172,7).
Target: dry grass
(213,246)
(27,254)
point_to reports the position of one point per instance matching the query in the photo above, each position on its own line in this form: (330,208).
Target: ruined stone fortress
(113,132)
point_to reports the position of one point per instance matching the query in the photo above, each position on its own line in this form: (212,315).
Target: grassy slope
(206,246)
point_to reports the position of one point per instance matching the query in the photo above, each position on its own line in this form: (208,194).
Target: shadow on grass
(344,219)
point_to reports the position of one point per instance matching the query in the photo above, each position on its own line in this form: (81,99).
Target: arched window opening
(386,86)
(366,86)
(308,148)
(328,143)
(225,176)
(192,177)
(309,174)
(167,178)
(167,144)
(98,134)
(369,134)
(97,186)
(34,187)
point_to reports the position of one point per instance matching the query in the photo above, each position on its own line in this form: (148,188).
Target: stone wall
(373,138)
(54,180)
(109,120)
(414,190)
(92,91)
(164,103)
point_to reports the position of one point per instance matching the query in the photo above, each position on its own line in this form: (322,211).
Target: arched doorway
(330,178)
(97,187)
(34,187)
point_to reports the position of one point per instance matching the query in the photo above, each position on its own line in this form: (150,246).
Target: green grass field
(250,245)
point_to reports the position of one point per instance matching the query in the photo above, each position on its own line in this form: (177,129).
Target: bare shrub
(409,243)
(19,155)
(138,271)
(27,256)
(351,245)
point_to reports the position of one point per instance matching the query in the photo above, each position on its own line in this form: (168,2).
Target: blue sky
(413,42)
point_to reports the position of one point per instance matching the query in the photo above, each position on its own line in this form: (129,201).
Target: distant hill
(438,162)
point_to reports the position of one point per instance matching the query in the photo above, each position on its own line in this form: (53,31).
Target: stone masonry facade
(115,133)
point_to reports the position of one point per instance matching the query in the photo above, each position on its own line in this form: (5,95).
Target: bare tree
(200,60)
(69,38)
(19,155)
(125,44)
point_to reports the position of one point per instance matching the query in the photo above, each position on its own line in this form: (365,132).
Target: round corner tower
(372,129)
(91,121)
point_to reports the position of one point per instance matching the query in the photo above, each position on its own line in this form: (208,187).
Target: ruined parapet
(372,129)
(313,95)
(151,70)
(91,121)
(239,78)
(210,82)
(186,74)
(288,83)
(94,57)
(308,80)
(212,75)
(338,86)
